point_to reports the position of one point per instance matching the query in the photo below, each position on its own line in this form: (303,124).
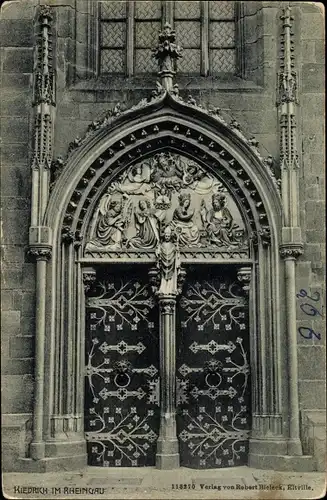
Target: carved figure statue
(147,227)
(183,221)
(110,227)
(168,263)
(218,221)
(166,172)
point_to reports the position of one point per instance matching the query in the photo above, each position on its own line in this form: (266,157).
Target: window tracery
(129,30)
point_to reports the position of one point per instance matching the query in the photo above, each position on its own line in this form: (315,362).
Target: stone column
(290,252)
(167,446)
(41,255)
(166,280)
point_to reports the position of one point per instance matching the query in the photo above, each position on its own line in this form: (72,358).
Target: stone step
(296,463)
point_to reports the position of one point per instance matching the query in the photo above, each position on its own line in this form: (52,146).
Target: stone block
(311,105)
(11,82)
(311,362)
(14,130)
(314,236)
(309,51)
(15,203)
(15,226)
(81,27)
(10,324)
(16,33)
(21,347)
(17,299)
(28,325)
(25,9)
(16,104)
(238,102)
(312,26)
(11,276)
(312,251)
(12,253)
(313,139)
(14,154)
(317,168)
(7,300)
(268,142)
(17,393)
(18,60)
(91,111)
(29,276)
(28,303)
(67,131)
(254,122)
(312,394)
(65,22)
(18,366)
(314,7)
(67,110)
(251,8)
(312,192)
(320,51)
(16,181)
(315,214)
(313,77)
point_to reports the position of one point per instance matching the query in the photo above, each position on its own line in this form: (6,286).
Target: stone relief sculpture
(146,224)
(165,190)
(218,222)
(168,263)
(189,234)
(111,224)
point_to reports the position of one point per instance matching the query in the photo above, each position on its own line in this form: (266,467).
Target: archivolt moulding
(166,121)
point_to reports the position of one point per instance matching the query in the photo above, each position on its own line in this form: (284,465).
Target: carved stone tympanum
(167,189)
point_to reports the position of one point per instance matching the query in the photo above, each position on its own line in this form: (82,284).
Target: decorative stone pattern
(44,91)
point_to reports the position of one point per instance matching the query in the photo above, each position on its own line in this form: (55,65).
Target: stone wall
(311,267)
(79,101)
(17,274)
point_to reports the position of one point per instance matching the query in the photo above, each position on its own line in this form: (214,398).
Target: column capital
(37,253)
(167,303)
(291,251)
(89,278)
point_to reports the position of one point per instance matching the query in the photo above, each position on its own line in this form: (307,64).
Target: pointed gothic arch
(165,123)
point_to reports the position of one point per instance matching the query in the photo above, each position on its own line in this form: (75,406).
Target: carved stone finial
(166,53)
(45,12)
(287,95)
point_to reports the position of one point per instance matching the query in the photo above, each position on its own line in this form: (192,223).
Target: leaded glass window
(113,36)
(128,30)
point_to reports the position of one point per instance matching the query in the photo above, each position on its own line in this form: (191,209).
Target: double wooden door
(122,391)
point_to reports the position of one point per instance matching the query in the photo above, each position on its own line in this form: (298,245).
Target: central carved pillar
(166,280)
(167,448)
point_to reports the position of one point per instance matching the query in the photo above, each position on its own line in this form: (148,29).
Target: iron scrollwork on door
(213,397)
(122,375)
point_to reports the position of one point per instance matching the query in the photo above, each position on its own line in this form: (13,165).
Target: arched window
(129,30)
